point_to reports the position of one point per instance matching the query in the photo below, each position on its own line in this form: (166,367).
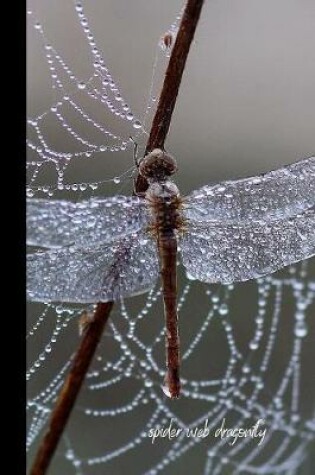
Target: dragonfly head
(157,165)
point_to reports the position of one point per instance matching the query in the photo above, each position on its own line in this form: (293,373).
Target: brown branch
(172,81)
(93,333)
(71,388)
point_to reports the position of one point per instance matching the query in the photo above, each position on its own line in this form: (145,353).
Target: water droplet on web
(223,309)
(137,124)
(300,329)
(129,115)
(69,455)
(116,180)
(81,85)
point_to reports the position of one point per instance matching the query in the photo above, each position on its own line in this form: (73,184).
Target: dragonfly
(105,249)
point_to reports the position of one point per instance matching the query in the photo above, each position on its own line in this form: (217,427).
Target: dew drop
(137,124)
(223,309)
(167,40)
(253,345)
(300,329)
(81,85)
(116,180)
(166,390)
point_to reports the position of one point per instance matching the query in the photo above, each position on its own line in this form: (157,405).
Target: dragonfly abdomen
(164,202)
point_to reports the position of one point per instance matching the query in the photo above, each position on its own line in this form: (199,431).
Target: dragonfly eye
(157,165)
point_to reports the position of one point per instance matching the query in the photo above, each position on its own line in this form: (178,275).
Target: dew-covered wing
(281,193)
(56,223)
(93,274)
(241,250)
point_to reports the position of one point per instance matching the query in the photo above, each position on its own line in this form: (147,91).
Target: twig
(93,333)
(173,77)
(71,388)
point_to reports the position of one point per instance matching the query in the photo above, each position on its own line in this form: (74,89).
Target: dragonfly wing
(274,195)
(242,250)
(57,223)
(93,274)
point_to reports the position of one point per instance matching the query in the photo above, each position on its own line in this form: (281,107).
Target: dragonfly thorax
(167,191)
(157,166)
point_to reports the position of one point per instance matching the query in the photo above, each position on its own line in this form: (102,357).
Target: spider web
(242,361)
